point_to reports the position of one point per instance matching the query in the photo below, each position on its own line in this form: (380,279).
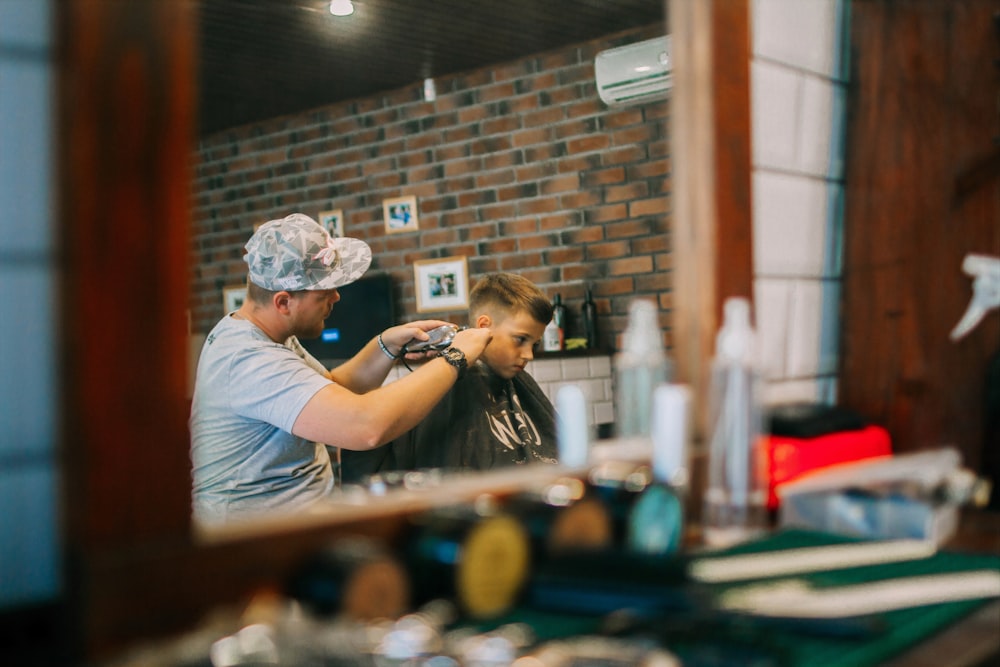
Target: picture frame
(400,214)
(441,284)
(333,222)
(233,297)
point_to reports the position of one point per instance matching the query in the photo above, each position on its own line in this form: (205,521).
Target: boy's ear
(484,321)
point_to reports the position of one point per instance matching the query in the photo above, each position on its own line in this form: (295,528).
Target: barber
(263,407)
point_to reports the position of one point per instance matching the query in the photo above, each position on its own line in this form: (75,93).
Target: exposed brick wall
(519,167)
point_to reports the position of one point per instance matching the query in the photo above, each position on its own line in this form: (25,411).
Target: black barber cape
(483,422)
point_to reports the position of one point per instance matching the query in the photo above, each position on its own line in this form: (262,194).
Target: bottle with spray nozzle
(735,500)
(985,297)
(640,367)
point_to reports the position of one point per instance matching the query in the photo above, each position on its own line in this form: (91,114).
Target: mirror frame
(134,568)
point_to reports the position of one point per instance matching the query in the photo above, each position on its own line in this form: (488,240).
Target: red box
(790,458)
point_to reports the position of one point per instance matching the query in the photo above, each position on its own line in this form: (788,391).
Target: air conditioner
(634,73)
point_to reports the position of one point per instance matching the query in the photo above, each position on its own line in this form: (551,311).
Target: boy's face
(514,339)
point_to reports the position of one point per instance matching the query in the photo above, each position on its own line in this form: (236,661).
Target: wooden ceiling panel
(261,59)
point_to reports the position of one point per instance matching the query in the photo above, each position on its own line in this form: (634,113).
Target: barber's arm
(368,369)
(340,417)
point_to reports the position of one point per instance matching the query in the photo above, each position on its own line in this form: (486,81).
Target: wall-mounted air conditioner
(635,73)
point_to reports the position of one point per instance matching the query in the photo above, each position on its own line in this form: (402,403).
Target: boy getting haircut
(495,415)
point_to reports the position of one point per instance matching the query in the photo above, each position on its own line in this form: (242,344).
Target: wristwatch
(456,358)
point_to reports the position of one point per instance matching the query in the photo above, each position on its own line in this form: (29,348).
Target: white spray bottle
(735,509)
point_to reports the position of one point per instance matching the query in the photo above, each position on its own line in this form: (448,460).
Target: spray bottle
(735,508)
(640,367)
(985,297)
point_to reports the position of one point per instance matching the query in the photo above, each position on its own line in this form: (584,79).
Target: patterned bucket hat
(296,253)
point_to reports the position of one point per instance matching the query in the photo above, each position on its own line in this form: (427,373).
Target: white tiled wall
(592,374)
(798,89)
(29,552)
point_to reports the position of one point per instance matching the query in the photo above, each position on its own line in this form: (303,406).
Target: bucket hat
(297,253)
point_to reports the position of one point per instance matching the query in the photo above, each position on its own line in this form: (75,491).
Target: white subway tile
(545,370)
(575,369)
(26,173)
(776,99)
(829,331)
(772,299)
(27,364)
(609,388)
(790,214)
(816,128)
(25,23)
(604,412)
(806,320)
(600,366)
(791,391)
(797,32)
(29,546)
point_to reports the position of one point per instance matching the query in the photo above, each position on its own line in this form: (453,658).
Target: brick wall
(519,167)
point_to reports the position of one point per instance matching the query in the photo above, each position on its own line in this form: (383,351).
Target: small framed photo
(333,222)
(441,284)
(400,215)
(233,297)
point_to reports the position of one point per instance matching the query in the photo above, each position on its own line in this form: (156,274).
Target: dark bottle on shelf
(589,311)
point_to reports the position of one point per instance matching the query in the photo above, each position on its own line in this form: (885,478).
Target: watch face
(455,357)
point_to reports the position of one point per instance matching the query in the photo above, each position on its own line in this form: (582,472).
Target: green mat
(700,639)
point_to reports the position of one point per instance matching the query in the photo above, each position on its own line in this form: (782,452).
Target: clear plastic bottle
(640,367)
(551,338)
(735,500)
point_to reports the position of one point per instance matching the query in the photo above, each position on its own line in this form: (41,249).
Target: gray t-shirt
(248,393)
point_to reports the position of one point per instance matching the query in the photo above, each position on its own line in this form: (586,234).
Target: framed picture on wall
(441,284)
(333,222)
(233,297)
(400,215)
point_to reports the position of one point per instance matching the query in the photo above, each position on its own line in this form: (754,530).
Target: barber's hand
(396,337)
(472,342)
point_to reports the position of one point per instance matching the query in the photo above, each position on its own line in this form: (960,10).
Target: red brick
(518,227)
(497,246)
(606,213)
(559,220)
(557,256)
(520,261)
(537,205)
(580,199)
(658,281)
(491,178)
(585,108)
(535,171)
(616,193)
(625,155)
(587,144)
(602,177)
(648,169)
(538,242)
(530,137)
(648,207)
(479,232)
(609,250)
(628,228)
(544,117)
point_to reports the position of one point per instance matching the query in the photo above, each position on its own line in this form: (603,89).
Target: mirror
(516,164)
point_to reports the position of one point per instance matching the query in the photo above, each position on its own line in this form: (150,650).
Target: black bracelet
(389,354)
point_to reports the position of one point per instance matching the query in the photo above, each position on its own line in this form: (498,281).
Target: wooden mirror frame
(134,569)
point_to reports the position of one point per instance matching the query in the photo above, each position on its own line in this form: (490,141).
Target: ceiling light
(341,7)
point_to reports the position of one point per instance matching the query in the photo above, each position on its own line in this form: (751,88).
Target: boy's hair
(509,293)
